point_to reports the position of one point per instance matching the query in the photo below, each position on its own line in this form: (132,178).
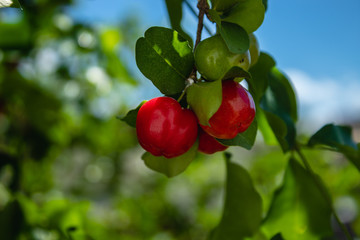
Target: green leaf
(298,210)
(130,117)
(245,139)
(215,17)
(279,100)
(174,8)
(260,76)
(285,134)
(10,3)
(338,138)
(165,58)
(221,5)
(265,2)
(110,40)
(247,14)
(235,37)
(170,166)
(242,206)
(265,128)
(236,72)
(280,96)
(205,99)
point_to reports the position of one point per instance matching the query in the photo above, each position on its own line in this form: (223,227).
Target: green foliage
(130,117)
(174,9)
(298,210)
(237,73)
(235,37)
(170,166)
(69,170)
(221,5)
(242,206)
(279,104)
(205,99)
(12,220)
(164,57)
(247,14)
(338,138)
(15,35)
(245,139)
(260,76)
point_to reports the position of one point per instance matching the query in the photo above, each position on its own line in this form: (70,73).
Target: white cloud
(326,100)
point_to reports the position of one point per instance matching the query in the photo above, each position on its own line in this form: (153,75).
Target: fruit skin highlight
(164,128)
(208,144)
(235,114)
(213,58)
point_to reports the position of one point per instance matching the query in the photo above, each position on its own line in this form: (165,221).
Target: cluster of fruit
(166,129)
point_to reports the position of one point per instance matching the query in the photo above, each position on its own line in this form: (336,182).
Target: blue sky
(315,42)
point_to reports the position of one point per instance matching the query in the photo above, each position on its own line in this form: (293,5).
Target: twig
(196,15)
(203,7)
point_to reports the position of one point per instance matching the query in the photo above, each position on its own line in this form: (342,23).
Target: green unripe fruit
(254,49)
(213,58)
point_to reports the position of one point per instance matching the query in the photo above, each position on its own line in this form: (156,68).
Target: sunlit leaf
(166,58)
(174,8)
(279,128)
(299,210)
(247,14)
(205,99)
(338,138)
(265,128)
(110,40)
(242,212)
(245,139)
(170,166)
(235,37)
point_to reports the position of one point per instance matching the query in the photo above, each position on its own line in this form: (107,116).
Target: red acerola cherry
(164,128)
(235,114)
(208,144)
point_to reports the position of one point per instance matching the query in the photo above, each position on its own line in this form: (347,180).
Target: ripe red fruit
(164,128)
(208,144)
(235,114)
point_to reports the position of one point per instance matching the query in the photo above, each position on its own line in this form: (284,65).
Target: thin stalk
(196,15)
(323,192)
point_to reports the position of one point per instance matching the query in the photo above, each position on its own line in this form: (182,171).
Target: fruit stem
(203,7)
(195,14)
(323,191)
(189,82)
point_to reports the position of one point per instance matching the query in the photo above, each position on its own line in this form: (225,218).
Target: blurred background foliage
(70,170)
